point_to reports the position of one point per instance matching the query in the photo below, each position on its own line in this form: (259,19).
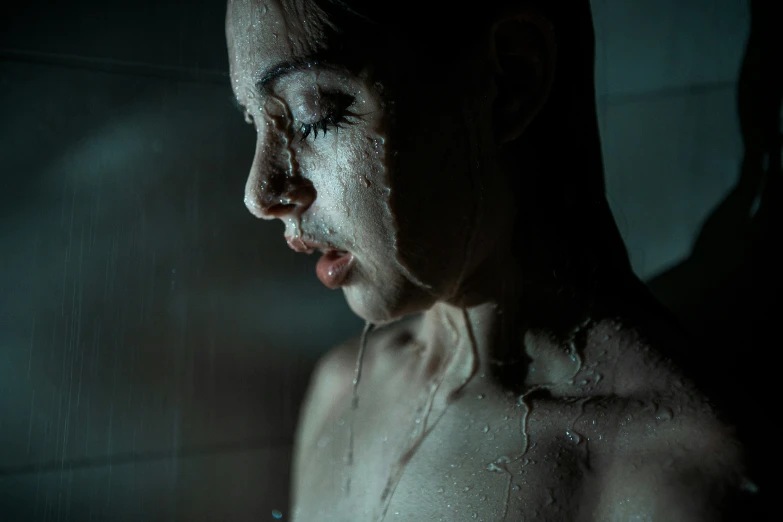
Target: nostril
(273,200)
(281,209)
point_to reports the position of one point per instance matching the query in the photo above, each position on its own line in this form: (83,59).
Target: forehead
(263,33)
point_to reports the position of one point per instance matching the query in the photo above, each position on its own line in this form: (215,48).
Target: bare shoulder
(671,457)
(329,382)
(672,462)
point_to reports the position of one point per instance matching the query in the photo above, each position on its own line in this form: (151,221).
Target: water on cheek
(365,188)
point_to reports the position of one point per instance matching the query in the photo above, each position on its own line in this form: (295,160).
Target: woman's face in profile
(379,182)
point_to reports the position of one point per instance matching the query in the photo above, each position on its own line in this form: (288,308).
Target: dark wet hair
(570,216)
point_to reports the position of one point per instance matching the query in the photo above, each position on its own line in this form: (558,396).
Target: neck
(502,325)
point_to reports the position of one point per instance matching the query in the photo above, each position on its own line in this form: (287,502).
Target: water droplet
(466,488)
(486,428)
(276,513)
(664,414)
(480,396)
(474,515)
(440,490)
(574,437)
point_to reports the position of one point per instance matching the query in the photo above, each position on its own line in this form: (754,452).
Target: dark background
(155,339)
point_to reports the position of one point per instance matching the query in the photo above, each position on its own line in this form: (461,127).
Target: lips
(334,266)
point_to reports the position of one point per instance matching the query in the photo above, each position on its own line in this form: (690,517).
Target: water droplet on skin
(276,513)
(440,490)
(486,428)
(664,414)
(466,488)
(574,437)
(480,396)
(424,430)
(474,515)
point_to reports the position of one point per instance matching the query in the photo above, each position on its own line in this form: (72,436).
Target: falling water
(399,467)
(500,466)
(425,430)
(572,434)
(357,375)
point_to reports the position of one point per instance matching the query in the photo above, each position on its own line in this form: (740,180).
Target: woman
(448,168)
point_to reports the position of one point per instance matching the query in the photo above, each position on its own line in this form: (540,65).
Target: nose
(273,190)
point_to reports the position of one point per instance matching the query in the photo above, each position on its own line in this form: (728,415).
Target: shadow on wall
(723,292)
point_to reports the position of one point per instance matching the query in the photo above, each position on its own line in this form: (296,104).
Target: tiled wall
(139,379)
(666,74)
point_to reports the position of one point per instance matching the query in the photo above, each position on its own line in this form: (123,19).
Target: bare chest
(405,453)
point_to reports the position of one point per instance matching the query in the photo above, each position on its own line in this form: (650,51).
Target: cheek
(349,173)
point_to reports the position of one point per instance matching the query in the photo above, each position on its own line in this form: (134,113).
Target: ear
(524,52)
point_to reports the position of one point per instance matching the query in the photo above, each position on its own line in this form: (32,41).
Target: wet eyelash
(340,116)
(333,120)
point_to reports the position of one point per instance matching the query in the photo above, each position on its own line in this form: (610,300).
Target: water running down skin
(486,392)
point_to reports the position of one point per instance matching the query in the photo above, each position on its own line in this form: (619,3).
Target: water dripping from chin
(424,427)
(368,326)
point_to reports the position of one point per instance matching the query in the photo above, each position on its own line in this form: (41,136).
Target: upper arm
(679,482)
(656,492)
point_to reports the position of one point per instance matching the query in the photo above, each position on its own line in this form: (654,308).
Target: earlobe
(524,52)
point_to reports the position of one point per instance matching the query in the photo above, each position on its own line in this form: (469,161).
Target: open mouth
(334,267)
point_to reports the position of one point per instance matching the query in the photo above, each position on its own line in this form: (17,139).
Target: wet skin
(402,180)
(614,434)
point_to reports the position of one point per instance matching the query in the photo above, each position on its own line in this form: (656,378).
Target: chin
(380,303)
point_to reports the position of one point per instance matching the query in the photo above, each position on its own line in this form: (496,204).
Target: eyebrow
(273,73)
(279,70)
(323,60)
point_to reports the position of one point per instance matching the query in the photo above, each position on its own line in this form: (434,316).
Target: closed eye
(336,119)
